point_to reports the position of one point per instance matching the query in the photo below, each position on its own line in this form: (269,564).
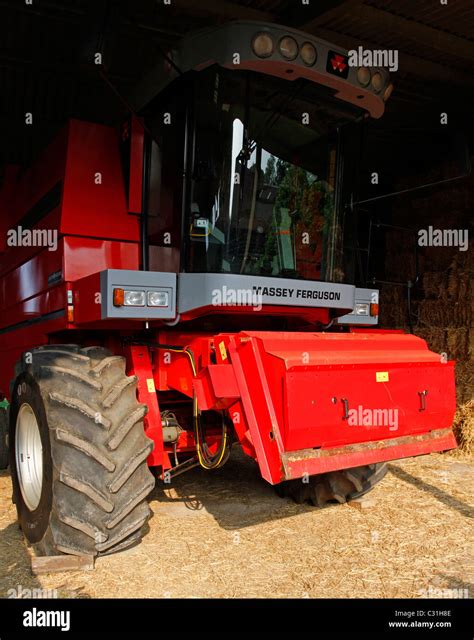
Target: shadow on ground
(235,489)
(444,497)
(15,574)
(16,579)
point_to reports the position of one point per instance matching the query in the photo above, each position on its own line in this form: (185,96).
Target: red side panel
(94,198)
(84,256)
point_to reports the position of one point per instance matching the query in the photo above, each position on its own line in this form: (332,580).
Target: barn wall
(443,301)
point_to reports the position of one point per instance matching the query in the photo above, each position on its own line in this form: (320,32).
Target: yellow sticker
(223,350)
(381,376)
(150,383)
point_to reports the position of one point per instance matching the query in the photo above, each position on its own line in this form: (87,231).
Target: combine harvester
(197,297)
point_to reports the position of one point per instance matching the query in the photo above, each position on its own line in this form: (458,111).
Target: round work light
(262,45)
(308,54)
(288,48)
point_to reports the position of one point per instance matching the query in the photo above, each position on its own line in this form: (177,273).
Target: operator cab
(244,166)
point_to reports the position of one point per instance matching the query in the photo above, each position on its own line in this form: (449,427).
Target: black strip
(357,618)
(44,206)
(26,323)
(147,148)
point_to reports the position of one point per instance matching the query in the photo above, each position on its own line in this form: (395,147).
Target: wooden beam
(415,31)
(222,9)
(413,65)
(58,564)
(330,14)
(298,14)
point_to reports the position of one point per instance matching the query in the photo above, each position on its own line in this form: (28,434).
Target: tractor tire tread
(99,491)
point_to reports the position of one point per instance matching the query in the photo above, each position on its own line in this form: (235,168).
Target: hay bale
(464,427)
(435,338)
(470,339)
(457,343)
(434,284)
(464,382)
(438,313)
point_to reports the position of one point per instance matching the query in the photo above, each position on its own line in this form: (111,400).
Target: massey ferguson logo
(337,64)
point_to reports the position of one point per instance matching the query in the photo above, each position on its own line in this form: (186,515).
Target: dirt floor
(225,534)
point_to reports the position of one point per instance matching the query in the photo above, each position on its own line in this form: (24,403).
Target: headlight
(308,54)
(133,298)
(157,299)
(262,45)
(361,309)
(363,76)
(377,82)
(288,48)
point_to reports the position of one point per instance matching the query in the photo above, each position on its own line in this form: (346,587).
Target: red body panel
(94,199)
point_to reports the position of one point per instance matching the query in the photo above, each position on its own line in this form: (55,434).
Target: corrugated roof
(46,50)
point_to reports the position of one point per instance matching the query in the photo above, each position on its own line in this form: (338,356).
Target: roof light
(377,82)
(363,76)
(308,54)
(262,45)
(388,92)
(288,48)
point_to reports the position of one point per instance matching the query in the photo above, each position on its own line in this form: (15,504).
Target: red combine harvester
(179,285)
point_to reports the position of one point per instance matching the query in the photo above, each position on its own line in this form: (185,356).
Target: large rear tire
(336,486)
(78,451)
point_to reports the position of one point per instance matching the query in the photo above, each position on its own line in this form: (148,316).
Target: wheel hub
(29,456)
